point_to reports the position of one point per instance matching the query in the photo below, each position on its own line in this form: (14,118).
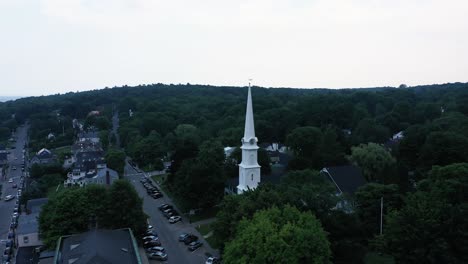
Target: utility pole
(381,214)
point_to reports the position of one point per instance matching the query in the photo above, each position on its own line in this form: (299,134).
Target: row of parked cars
(190,240)
(170,213)
(152,190)
(152,245)
(8,251)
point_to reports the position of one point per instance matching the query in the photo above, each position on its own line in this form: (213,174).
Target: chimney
(107,177)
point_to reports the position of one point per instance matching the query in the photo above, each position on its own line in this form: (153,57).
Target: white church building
(249,170)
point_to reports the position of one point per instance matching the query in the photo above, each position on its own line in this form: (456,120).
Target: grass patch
(205,230)
(204,214)
(62,150)
(374,258)
(159,179)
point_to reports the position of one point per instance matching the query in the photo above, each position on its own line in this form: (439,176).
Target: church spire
(249,131)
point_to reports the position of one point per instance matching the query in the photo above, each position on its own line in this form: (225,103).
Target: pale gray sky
(56,46)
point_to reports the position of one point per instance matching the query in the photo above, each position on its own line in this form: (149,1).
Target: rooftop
(347,178)
(99,247)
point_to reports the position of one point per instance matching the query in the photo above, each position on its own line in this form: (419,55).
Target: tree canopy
(279,236)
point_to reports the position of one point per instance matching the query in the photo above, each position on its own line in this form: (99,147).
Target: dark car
(165,207)
(152,243)
(150,233)
(194,245)
(189,239)
(149,238)
(6,258)
(183,236)
(170,213)
(9,243)
(156,195)
(155,249)
(14,185)
(157,256)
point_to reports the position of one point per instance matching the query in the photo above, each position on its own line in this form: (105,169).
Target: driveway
(168,233)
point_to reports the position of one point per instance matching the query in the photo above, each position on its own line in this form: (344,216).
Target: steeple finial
(249,131)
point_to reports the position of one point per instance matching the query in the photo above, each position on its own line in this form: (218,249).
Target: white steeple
(249,170)
(249,131)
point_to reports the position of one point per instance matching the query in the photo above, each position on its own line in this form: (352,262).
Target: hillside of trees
(422,177)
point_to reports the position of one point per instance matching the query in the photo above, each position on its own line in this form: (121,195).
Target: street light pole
(381,214)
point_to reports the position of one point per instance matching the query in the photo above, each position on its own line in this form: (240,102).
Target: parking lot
(177,252)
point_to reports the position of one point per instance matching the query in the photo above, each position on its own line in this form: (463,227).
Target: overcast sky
(56,46)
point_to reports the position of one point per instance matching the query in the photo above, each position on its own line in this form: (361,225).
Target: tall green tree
(374,160)
(123,208)
(368,204)
(199,182)
(279,236)
(431,226)
(116,160)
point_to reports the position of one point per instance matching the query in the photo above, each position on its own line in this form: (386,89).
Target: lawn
(205,230)
(60,150)
(204,214)
(374,258)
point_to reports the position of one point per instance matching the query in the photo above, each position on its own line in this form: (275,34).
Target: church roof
(346,178)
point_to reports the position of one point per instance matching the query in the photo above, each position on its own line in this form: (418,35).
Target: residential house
(44,156)
(102,176)
(98,246)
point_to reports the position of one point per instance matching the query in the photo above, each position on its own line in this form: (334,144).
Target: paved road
(15,159)
(168,233)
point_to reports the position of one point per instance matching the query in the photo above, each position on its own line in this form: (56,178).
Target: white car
(9,197)
(174,219)
(10,180)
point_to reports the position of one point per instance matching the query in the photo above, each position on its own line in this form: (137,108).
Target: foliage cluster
(77,210)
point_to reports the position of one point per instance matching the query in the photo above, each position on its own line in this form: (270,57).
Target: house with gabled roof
(44,156)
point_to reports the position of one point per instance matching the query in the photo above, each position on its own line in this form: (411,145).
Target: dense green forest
(423,177)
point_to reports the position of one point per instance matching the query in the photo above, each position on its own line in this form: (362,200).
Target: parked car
(189,239)
(14,185)
(9,198)
(165,206)
(175,219)
(158,256)
(194,245)
(155,249)
(170,213)
(6,258)
(149,238)
(156,195)
(151,243)
(151,233)
(182,236)
(213,260)
(9,243)
(10,180)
